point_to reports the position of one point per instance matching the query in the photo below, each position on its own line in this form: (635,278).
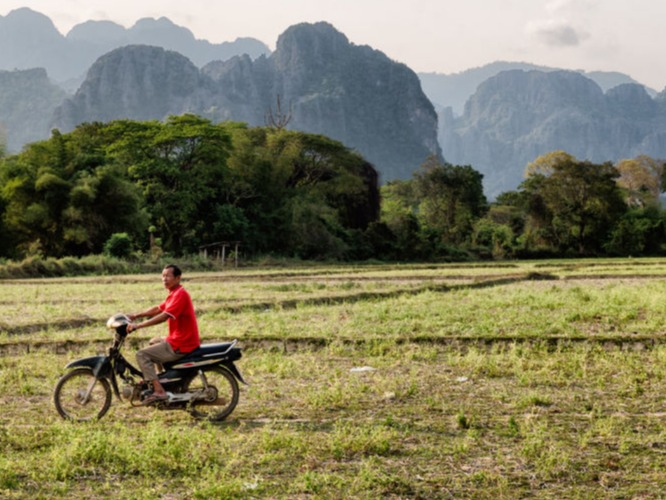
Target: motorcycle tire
(222,395)
(71,390)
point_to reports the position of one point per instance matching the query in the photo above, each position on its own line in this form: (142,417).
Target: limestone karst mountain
(518,115)
(328,85)
(494,120)
(453,90)
(27,101)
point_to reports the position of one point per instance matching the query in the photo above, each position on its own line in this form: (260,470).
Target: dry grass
(471,387)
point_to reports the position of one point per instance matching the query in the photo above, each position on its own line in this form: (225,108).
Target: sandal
(154,398)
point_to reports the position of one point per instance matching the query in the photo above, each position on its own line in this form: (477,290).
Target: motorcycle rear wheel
(221,396)
(70,392)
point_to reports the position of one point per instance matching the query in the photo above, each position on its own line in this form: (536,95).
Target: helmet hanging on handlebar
(118,320)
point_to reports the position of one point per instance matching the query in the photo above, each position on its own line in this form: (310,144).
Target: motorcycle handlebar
(122,330)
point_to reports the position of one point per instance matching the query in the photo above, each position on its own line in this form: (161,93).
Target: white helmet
(118,320)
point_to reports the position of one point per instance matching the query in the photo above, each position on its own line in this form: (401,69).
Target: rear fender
(232,368)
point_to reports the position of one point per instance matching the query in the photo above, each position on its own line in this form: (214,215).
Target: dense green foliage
(130,189)
(177,185)
(570,207)
(565,207)
(433,214)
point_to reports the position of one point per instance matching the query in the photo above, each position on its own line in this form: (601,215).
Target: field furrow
(523,380)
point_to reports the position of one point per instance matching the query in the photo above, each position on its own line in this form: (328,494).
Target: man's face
(169,280)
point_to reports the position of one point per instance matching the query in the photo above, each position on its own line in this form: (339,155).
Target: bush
(95,265)
(496,238)
(119,245)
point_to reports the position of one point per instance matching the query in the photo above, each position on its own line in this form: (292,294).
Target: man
(183,336)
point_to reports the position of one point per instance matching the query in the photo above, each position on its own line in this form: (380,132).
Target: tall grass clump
(40,267)
(96,265)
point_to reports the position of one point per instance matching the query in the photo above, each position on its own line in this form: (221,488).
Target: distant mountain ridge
(27,99)
(29,39)
(516,116)
(454,90)
(353,94)
(508,113)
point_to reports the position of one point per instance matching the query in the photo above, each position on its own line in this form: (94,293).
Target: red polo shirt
(183,330)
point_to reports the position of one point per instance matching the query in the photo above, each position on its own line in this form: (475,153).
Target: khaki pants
(157,352)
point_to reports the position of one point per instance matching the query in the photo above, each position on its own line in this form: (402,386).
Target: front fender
(99,365)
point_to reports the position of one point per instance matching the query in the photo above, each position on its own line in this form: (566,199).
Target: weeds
(550,388)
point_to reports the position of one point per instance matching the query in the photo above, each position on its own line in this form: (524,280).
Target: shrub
(118,245)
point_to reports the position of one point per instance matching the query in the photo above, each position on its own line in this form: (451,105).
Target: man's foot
(154,398)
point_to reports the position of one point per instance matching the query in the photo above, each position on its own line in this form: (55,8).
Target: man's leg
(157,353)
(153,341)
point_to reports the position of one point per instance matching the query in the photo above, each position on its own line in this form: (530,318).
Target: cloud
(555,6)
(573,7)
(556,33)
(561,25)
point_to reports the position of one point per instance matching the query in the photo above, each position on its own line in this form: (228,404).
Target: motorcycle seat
(212,352)
(205,350)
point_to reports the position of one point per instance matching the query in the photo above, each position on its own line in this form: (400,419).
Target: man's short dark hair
(175,269)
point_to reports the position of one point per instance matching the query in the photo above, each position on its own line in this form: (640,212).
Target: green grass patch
(439,381)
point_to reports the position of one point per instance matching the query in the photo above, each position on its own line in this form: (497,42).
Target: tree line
(133,188)
(174,186)
(564,208)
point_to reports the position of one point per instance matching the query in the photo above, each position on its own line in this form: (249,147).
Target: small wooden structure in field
(221,250)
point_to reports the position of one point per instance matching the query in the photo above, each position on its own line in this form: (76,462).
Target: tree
(434,213)
(641,231)
(119,245)
(180,167)
(498,238)
(276,190)
(576,205)
(3,140)
(62,197)
(641,178)
(279,119)
(277,175)
(547,163)
(450,199)
(402,238)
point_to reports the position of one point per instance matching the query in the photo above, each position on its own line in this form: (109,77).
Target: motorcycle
(203,382)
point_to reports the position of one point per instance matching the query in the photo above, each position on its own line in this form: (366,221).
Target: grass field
(526,379)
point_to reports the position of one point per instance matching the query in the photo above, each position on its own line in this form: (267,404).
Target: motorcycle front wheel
(80,396)
(219,394)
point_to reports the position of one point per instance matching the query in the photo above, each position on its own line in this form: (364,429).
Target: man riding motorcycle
(183,336)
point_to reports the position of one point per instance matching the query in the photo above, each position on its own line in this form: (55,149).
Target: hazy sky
(443,36)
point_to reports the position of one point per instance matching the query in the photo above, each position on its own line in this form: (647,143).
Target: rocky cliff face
(518,115)
(137,82)
(350,93)
(27,99)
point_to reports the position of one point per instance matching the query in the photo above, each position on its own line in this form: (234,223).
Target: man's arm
(156,318)
(153,311)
